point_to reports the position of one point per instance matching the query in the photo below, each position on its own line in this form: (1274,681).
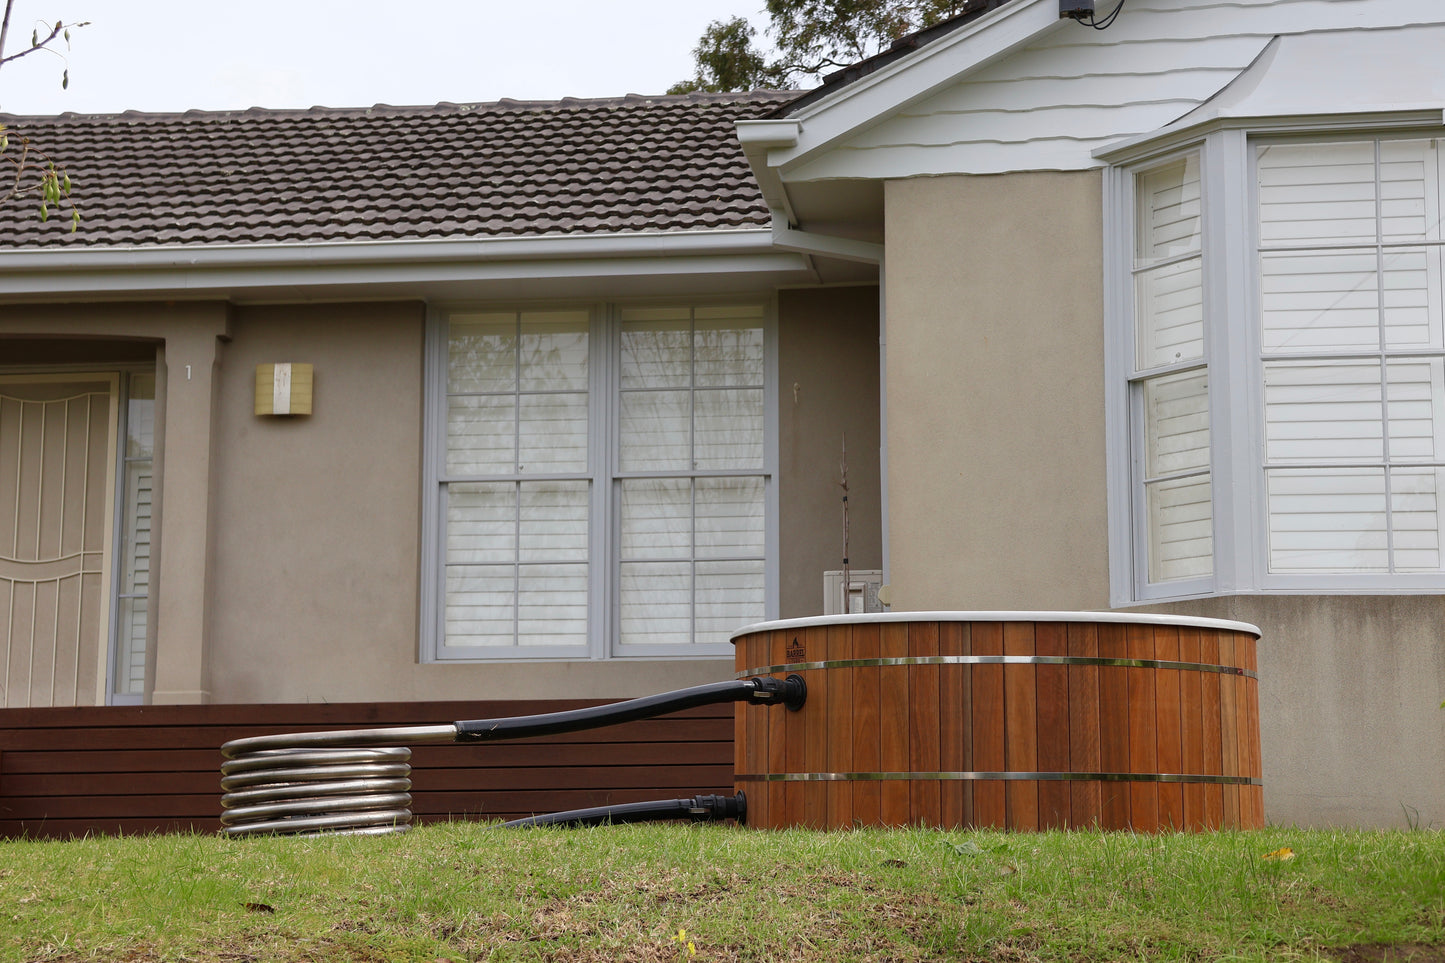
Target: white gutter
(196,268)
(303,254)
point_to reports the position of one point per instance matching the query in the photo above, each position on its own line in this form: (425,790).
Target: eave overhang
(411,268)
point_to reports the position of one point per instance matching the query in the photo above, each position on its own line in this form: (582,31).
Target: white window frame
(604,359)
(1234,360)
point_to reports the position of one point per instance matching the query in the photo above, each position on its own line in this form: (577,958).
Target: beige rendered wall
(995,365)
(827,388)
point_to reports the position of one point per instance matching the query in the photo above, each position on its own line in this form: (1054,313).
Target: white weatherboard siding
(1048,106)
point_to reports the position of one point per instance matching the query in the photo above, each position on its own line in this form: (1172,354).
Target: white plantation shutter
(517,535)
(1353,377)
(1168,290)
(1172,405)
(1176,484)
(691,562)
(681,465)
(137,519)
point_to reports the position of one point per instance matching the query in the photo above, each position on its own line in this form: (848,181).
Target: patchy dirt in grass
(1388,953)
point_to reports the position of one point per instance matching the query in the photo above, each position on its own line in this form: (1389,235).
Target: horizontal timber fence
(141,769)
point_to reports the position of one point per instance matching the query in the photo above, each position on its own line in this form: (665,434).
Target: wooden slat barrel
(998,719)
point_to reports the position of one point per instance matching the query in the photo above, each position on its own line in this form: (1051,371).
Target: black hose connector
(791,692)
(698,809)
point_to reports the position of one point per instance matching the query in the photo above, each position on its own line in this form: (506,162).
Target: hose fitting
(791,692)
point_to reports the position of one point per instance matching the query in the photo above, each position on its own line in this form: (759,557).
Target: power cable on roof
(1108,21)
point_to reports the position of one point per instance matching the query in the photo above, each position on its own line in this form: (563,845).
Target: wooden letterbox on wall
(283,389)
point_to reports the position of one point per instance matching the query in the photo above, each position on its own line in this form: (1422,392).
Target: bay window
(600,481)
(1282,348)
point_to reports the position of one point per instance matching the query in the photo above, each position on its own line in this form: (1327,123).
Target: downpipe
(358,781)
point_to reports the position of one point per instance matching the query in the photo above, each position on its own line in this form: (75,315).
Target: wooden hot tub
(1018,720)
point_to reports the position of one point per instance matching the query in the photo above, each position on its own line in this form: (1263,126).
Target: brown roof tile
(508,169)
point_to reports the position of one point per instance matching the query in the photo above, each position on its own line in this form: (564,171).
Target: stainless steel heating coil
(358,781)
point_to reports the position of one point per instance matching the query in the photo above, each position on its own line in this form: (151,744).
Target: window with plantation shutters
(1170,385)
(1279,323)
(1352,354)
(601,481)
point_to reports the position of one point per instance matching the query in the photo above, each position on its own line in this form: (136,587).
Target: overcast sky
(172,55)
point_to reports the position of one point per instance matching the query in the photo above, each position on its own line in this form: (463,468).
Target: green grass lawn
(465,891)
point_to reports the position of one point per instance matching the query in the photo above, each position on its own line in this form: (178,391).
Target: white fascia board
(133,270)
(871,99)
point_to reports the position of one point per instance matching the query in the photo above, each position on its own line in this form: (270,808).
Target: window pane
(656,431)
(482,352)
(1176,423)
(1323,411)
(727,354)
(140,418)
(657,354)
(1320,300)
(1412,298)
(1181,528)
(481,522)
(1415,515)
(1416,389)
(656,518)
(729,517)
(553,521)
(479,609)
(729,596)
(553,434)
(1327,520)
(1169,303)
(1409,190)
(554,351)
(130,675)
(481,435)
(729,430)
(1167,201)
(552,605)
(655,600)
(1316,193)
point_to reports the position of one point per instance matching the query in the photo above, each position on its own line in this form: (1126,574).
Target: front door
(57,485)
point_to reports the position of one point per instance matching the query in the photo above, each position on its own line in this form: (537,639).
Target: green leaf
(65,184)
(44,212)
(35,38)
(966,848)
(65,80)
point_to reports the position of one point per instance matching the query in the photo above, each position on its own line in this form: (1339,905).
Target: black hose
(791,692)
(697,809)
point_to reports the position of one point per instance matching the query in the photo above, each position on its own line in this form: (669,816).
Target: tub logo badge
(796,651)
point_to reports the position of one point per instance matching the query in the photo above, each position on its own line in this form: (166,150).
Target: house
(1146,317)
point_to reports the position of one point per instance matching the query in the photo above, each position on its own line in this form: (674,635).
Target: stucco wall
(995,361)
(827,389)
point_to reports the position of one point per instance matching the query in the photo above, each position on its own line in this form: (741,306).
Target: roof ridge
(761,96)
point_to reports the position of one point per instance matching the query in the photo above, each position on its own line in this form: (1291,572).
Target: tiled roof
(508,169)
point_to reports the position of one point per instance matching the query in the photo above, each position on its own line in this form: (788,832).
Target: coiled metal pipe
(357,781)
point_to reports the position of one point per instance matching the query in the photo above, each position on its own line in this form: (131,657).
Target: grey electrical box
(1076,9)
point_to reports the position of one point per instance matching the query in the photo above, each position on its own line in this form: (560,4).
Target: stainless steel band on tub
(1006,776)
(1000,660)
